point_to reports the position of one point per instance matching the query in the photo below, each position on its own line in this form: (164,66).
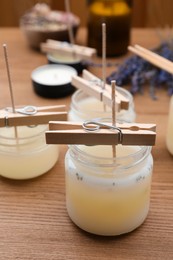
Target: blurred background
(146,13)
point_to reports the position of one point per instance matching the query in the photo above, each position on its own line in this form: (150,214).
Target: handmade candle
(69,60)
(116,14)
(54,57)
(106,195)
(53,80)
(84,107)
(28,155)
(169,136)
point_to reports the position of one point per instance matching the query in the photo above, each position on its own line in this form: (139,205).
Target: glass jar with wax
(116,14)
(169,136)
(108,195)
(84,107)
(24,153)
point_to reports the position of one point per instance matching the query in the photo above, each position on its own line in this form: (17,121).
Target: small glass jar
(116,14)
(24,153)
(106,195)
(84,107)
(169,136)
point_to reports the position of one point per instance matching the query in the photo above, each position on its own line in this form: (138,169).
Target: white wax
(103,200)
(64,58)
(53,75)
(91,107)
(169,136)
(28,156)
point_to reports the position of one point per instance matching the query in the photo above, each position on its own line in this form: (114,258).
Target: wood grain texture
(34,224)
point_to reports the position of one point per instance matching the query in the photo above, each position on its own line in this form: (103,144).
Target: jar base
(111,232)
(29,166)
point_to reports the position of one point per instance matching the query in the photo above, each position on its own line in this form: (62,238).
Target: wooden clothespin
(152,57)
(91,84)
(65,48)
(31,115)
(95,133)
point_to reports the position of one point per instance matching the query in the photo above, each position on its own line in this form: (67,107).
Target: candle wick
(104,59)
(113,85)
(11,89)
(70,29)
(9,77)
(103,55)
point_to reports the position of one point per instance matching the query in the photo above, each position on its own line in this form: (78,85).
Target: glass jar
(107,195)
(116,14)
(84,107)
(25,155)
(169,136)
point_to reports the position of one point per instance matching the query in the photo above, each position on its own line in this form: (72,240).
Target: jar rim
(123,161)
(77,93)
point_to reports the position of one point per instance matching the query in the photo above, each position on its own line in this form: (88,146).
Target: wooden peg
(92,85)
(42,115)
(95,133)
(120,99)
(152,57)
(65,48)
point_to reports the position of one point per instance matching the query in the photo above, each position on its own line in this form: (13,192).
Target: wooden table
(33,220)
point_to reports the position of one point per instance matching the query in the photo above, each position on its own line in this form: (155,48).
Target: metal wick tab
(27,110)
(95,126)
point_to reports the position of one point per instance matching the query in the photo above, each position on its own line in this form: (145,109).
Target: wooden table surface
(33,220)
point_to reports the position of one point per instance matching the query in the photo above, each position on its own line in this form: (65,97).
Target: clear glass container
(84,107)
(116,14)
(25,155)
(106,195)
(169,135)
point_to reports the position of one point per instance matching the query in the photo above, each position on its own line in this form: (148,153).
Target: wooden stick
(113,113)
(104,55)
(104,60)
(70,28)
(153,58)
(9,77)
(10,88)
(113,103)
